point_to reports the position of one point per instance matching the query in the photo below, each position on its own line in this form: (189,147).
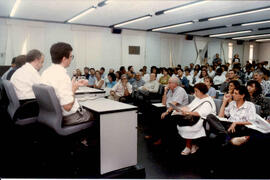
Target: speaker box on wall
(189,37)
(239,42)
(116,31)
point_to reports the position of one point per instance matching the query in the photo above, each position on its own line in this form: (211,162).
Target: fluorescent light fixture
(231,33)
(253,36)
(183,7)
(132,21)
(103,3)
(13,11)
(81,14)
(254,23)
(107,2)
(172,26)
(239,14)
(262,40)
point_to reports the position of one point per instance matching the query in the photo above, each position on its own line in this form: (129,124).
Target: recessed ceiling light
(172,26)
(253,36)
(133,20)
(255,23)
(230,33)
(238,14)
(82,14)
(262,40)
(183,7)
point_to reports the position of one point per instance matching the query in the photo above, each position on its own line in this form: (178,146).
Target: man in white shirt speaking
(23,80)
(57,77)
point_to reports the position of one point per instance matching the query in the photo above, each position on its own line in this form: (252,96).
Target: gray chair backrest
(217,94)
(190,98)
(267,99)
(49,108)
(161,89)
(50,112)
(218,103)
(14,103)
(258,109)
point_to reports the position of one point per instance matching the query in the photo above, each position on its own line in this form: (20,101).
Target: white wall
(264,52)
(97,47)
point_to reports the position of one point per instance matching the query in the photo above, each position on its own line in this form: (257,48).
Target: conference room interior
(126,63)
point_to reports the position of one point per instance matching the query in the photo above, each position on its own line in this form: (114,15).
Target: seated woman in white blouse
(201,106)
(99,83)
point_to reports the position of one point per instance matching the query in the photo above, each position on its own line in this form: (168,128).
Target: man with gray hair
(122,90)
(173,94)
(258,76)
(27,75)
(24,78)
(138,82)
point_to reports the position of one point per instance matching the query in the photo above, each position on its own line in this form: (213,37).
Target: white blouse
(97,83)
(197,130)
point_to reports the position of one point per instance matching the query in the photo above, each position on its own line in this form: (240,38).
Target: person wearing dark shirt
(19,62)
(255,95)
(217,60)
(4,76)
(86,73)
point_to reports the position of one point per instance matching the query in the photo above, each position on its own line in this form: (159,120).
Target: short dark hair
(102,68)
(129,67)
(32,55)
(92,69)
(242,91)
(60,50)
(13,60)
(122,68)
(233,71)
(219,71)
(187,70)
(225,67)
(86,68)
(20,60)
(210,79)
(113,76)
(201,87)
(236,83)
(258,87)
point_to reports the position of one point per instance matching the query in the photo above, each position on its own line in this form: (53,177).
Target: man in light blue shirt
(92,78)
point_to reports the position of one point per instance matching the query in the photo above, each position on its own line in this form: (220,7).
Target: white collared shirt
(57,77)
(245,113)
(219,80)
(151,86)
(119,89)
(23,80)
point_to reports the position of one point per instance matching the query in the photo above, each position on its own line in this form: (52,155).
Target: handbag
(189,120)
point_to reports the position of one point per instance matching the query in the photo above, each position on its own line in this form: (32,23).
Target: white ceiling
(117,11)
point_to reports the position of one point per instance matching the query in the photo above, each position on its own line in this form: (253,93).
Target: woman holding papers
(200,107)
